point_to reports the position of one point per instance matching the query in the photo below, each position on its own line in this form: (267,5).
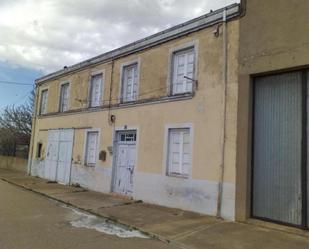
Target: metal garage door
(59,155)
(279,148)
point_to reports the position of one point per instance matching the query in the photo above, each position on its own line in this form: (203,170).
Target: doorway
(125,160)
(59,155)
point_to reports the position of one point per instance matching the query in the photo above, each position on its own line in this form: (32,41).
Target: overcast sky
(41,36)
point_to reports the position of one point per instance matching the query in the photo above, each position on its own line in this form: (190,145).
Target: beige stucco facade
(151,115)
(274,36)
(263,38)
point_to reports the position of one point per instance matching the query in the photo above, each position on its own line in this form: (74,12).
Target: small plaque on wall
(110,150)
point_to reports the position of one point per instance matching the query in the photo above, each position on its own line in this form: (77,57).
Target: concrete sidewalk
(182,228)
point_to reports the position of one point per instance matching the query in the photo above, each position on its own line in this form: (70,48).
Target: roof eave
(185,28)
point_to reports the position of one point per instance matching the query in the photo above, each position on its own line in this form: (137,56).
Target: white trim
(122,66)
(69,94)
(85,146)
(195,45)
(166,144)
(95,72)
(115,131)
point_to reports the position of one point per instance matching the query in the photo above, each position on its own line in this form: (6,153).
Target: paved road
(31,221)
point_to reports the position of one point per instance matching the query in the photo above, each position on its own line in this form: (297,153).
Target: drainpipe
(110,93)
(112,122)
(34,114)
(224,96)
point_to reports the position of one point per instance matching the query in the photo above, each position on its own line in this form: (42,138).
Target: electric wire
(15,83)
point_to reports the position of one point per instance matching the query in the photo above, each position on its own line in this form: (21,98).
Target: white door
(59,155)
(125,162)
(64,156)
(52,155)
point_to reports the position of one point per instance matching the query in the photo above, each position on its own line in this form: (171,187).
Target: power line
(21,97)
(15,83)
(16,101)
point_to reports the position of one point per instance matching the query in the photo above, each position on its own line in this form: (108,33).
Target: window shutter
(190,61)
(174,153)
(130,86)
(64,95)
(44,102)
(96,86)
(92,140)
(179,161)
(179,73)
(183,65)
(186,155)
(129,74)
(135,75)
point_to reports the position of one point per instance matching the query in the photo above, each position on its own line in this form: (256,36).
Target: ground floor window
(91,148)
(39,150)
(179,152)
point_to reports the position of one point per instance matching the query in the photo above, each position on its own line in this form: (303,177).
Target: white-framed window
(43,104)
(96,85)
(183,68)
(64,97)
(91,151)
(129,82)
(179,152)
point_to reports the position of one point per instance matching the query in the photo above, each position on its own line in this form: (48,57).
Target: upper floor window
(179,152)
(96,90)
(183,71)
(130,82)
(64,97)
(43,105)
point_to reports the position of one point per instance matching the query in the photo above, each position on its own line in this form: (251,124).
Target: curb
(107,217)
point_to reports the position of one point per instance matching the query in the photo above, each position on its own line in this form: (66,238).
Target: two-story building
(210,116)
(154,120)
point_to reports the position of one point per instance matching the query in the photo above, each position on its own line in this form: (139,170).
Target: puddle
(84,220)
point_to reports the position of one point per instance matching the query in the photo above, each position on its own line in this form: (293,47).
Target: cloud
(46,35)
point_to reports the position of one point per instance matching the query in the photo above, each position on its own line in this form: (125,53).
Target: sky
(42,36)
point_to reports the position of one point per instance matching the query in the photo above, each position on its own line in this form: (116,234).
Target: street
(31,221)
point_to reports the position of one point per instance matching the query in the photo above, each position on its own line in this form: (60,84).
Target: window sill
(181,94)
(94,107)
(125,102)
(89,165)
(181,176)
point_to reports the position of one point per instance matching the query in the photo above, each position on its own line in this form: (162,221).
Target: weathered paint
(203,110)
(84,220)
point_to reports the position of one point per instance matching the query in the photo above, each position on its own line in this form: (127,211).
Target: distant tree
(7,143)
(15,125)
